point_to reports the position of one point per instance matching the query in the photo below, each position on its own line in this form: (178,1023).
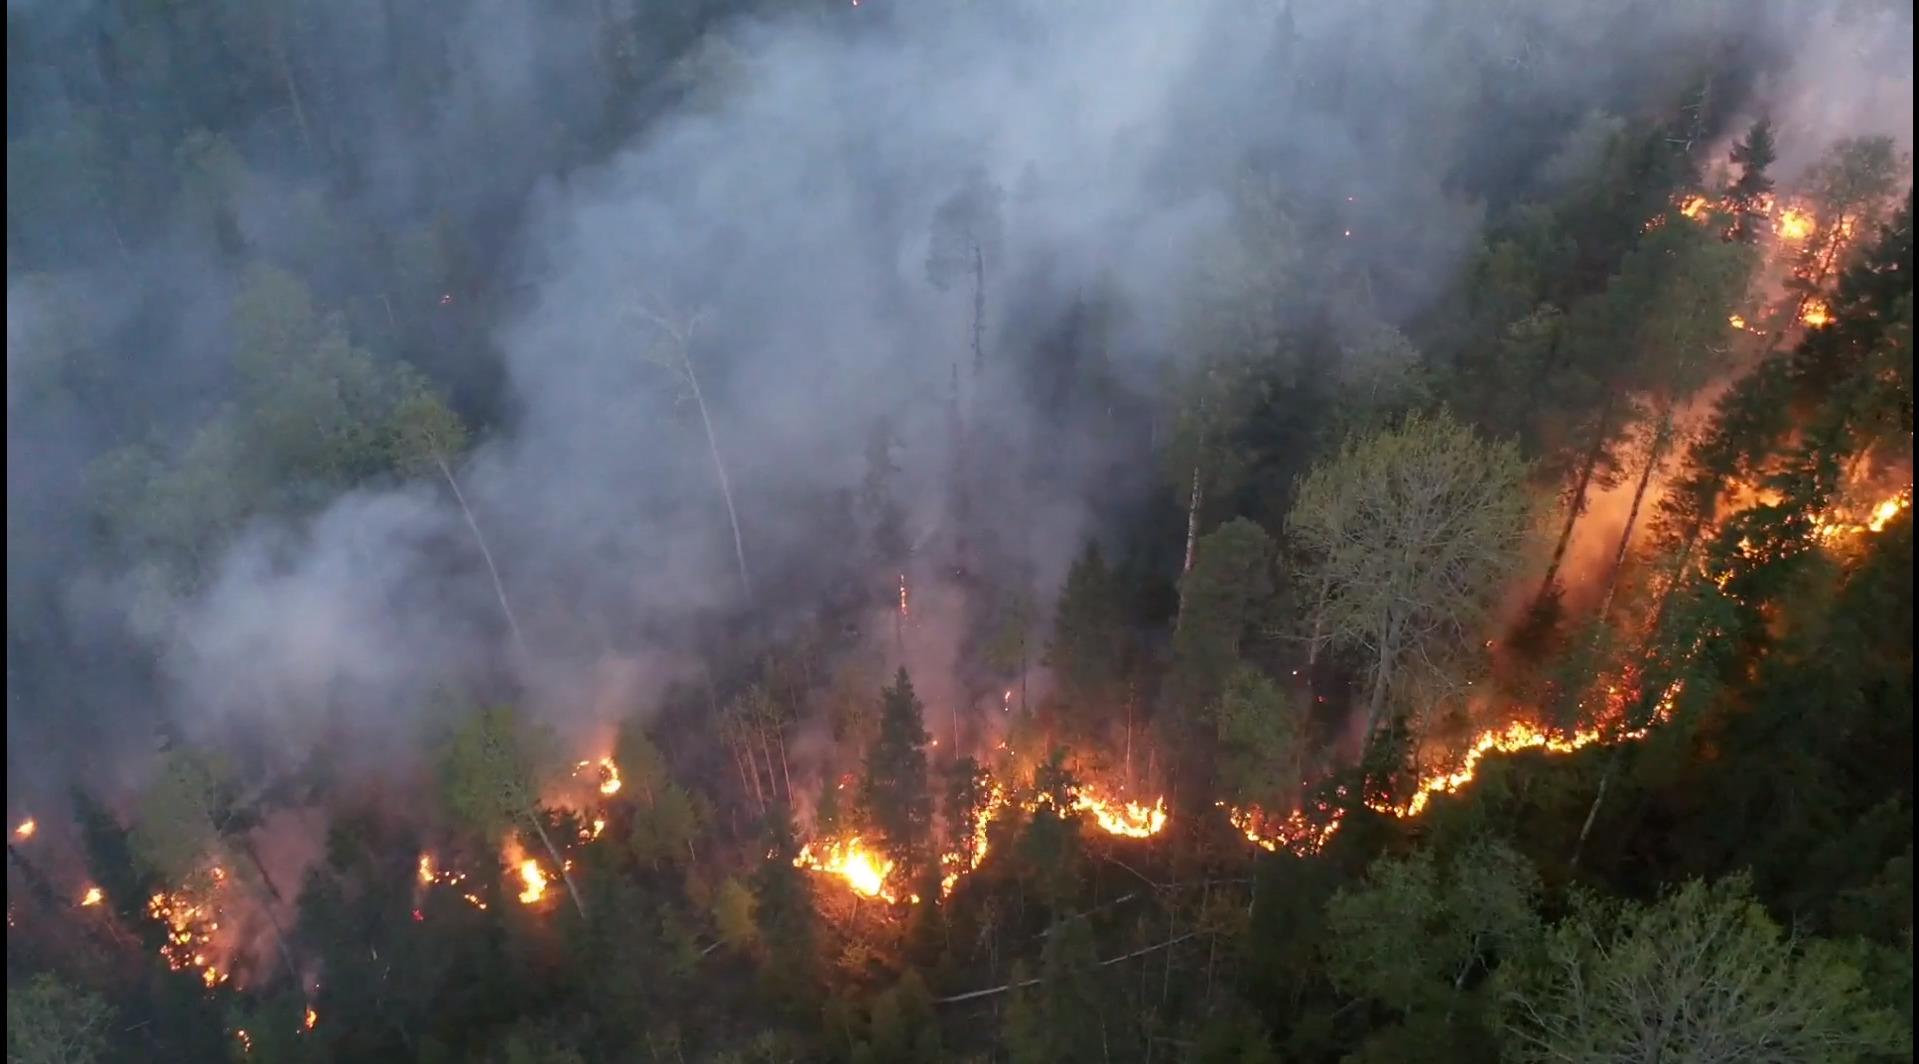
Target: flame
(609,777)
(1303,835)
(1130,819)
(1888,509)
(903,610)
(26,829)
(1736,321)
(1816,313)
(312,1018)
(956,863)
(535,879)
(863,869)
(430,875)
(1694,207)
(426,869)
(1795,224)
(92,897)
(190,923)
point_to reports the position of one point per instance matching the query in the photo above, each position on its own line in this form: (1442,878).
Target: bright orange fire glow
(1129,819)
(1816,313)
(92,897)
(534,877)
(26,829)
(1736,321)
(851,860)
(1795,224)
(311,1018)
(1302,835)
(246,1040)
(190,925)
(1694,207)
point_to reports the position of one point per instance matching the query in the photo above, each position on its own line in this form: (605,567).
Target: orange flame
(535,880)
(1816,313)
(862,869)
(1795,224)
(1694,207)
(92,897)
(1129,819)
(312,1018)
(26,829)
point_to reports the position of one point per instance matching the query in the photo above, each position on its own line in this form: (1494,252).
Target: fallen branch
(990,991)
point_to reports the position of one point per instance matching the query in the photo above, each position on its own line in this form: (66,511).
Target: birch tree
(1409,531)
(490,773)
(670,348)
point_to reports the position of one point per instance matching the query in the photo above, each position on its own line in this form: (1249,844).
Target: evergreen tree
(895,792)
(1750,193)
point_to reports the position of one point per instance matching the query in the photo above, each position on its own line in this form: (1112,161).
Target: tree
(1089,633)
(1408,533)
(671,349)
(894,790)
(665,828)
(969,792)
(427,434)
(1750,193)
(1223,596)
(966,236)
(1417,929)
(49,1022)
(490,774)
(1703,975)
(1262,741)
(733,908)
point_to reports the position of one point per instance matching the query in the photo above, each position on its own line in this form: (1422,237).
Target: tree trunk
(1192,545)
(558,863)
(979,310)
(1382,678)
(1577,506)
(499,588)
(293,90)
(1655,451)
(1319,627)
(719,469)
(1592,814)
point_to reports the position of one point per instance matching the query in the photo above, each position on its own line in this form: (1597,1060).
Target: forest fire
(310,1019)
(1815,313)
(190,927)
(1127,819)
(609,775)
(851,860)
(429,875)
(26,829)
(534,879)
(1304,835)
(1828,527)
(92,897)
(1795,224)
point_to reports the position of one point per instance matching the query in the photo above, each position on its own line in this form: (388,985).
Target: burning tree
(895,790)
(490,774)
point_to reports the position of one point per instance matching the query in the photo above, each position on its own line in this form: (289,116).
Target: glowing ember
(246,1040)
(1736,321)
(1816,313)
(92,897)
(312,1018)
(535,879)
(862,869)
(190,924)
(903,610)
(26,829)
(1129,819)
(1795,224)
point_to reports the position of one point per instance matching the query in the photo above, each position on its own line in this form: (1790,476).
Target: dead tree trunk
(499,588)
(558,863)
(1577,506)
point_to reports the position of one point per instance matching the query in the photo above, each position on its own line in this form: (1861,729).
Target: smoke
(783,185)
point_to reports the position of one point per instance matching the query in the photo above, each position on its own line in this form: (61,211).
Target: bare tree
(672,350)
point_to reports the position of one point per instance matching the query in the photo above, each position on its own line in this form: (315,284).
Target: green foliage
(491,768)
(1702,975)
(1088,644)
(1262,741)
(1221,599)
(1414,934)
(664,830)
(895,791)
(733,915)
(49,1022)
(177,833)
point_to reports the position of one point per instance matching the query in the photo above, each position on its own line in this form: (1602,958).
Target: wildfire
(430,875)
(1736,321)
(311,1018)
(1129,819)
(1795,224)
(1694,207)
(1816,313)
(609,774)
(1304,835)
(26,829)
(1828,527)
(535,880)
(851,860)
(92,897)
(190,926)
(957,863)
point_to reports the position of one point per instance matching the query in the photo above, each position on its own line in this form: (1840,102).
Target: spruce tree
(895,788)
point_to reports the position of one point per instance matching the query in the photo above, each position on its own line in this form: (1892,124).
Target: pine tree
(895,790)
(1747,196)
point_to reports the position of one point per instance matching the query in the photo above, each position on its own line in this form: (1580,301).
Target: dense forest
(1041,531)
